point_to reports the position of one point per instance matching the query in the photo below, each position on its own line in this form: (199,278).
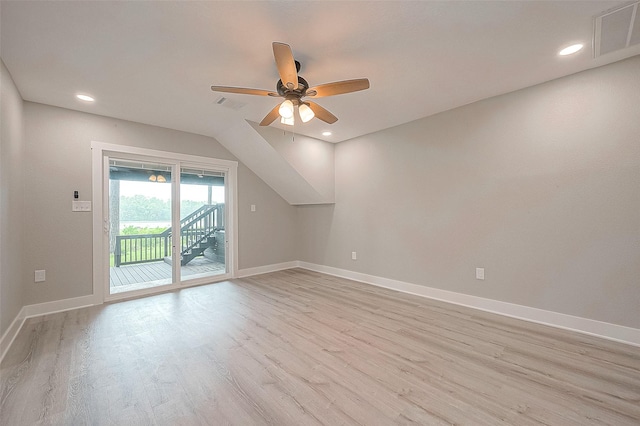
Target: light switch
(253,207)
(81,206)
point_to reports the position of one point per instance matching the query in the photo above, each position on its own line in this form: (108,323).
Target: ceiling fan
(294,88)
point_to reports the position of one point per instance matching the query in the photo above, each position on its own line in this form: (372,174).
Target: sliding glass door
(140,231)
(202,226)
(166,224)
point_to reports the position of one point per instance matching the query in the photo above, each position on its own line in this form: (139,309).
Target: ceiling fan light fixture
(286,109)
(289,121)
(306,113)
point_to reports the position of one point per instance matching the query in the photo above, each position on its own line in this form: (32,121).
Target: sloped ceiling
(154,62)
(268,159)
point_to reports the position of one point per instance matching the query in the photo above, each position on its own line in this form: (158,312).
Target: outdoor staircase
(197,248)
(197,232)
(201,230)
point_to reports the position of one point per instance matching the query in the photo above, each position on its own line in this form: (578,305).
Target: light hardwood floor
(297,347)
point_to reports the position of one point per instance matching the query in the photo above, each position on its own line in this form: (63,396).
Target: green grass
(143,250)
(135,230)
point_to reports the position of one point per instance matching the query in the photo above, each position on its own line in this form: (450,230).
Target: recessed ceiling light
(571,49)
(326,133)
(86,98)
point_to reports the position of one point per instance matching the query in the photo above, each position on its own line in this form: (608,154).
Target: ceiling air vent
(617,29)
(230,103)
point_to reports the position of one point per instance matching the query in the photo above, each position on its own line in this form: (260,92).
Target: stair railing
(195,228)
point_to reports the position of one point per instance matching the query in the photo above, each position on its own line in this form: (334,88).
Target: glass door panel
(202,224)
(140,234)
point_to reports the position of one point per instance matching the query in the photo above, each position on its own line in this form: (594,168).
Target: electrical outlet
(354,255)
(480,273)
(40,276)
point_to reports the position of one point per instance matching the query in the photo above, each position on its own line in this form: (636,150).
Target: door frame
(100,153)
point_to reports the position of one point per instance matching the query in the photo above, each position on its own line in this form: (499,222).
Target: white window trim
(102,150)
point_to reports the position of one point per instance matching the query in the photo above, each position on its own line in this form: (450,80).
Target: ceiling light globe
(288,121)
(286,109)
(306,113)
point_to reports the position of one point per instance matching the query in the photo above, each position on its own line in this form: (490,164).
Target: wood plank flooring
(300,348)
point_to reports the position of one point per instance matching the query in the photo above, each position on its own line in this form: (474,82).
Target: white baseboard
(39,309)
(59,306)
(53,307)
(247,272)
(11,333)
(601,329)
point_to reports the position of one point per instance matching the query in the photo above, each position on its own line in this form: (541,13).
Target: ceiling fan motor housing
(299,92)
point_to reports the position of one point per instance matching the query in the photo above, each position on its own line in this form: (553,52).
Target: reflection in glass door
(202,224)
(140,236)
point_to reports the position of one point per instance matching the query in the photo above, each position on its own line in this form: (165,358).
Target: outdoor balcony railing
(196,228)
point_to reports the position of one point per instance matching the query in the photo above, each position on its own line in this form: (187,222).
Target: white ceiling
(154,62)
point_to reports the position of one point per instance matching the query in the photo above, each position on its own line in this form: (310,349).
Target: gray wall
(57,161)
(11,147)
(312,158)
(541,187)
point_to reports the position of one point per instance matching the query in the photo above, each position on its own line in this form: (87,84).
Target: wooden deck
(151,274)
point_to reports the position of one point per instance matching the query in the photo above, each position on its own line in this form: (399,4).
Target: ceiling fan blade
(269,118)
(286,65)
(322,113)
(338,88)
(243,91)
